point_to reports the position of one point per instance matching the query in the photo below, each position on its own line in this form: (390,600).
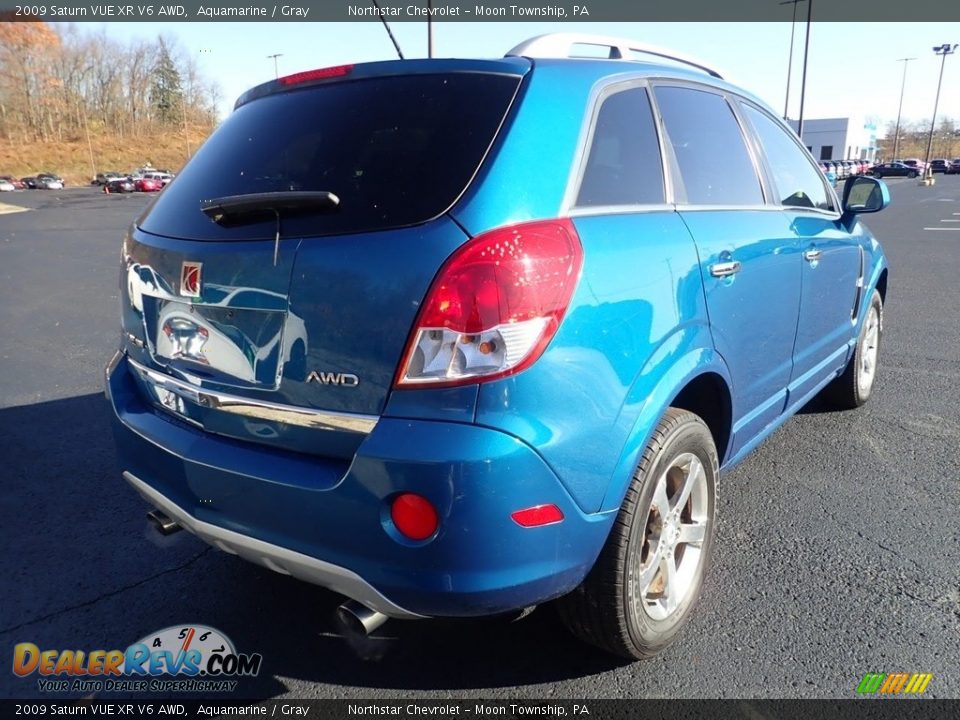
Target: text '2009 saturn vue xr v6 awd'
(459,337)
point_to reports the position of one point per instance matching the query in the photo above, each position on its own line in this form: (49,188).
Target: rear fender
(658,398)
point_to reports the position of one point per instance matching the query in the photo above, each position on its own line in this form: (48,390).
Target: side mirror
(862,194)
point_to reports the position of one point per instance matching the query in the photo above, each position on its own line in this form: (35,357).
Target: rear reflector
(538,515)
(414,516)
(494,306)
(319,74)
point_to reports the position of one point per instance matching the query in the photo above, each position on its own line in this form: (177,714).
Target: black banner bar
(579,11)
(874,709)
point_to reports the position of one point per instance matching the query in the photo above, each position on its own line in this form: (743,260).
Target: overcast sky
(853,68)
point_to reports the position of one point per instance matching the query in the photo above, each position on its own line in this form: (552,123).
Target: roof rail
(560,45)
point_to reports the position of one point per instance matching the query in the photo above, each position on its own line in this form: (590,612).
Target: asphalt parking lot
(839,538)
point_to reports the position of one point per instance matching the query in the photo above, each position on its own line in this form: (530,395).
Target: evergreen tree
(166,95)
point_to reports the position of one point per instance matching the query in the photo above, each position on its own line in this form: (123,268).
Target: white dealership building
(840,138)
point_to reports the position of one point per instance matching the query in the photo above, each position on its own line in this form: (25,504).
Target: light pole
(429,28)
(943,51)
(276,67)
(793,27)
(803,82)
(903,86)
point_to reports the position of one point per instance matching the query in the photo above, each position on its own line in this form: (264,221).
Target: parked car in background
(895,169)
(916,163)
(163,177)
(939,165)
(954,167)
(45,181)
(104,178)
(492,414)
(147,184)
(120,185)
(51,178)
(843,172)
(825,168)
(16,182)
(6,186)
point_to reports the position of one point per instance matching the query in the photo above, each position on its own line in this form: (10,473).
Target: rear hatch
(285,264)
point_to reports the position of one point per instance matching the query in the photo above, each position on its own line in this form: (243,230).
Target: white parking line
(956,229)
(950,221)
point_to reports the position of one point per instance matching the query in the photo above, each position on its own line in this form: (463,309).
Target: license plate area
(239,347)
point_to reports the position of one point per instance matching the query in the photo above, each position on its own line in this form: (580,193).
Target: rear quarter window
(623,164)
(396,151)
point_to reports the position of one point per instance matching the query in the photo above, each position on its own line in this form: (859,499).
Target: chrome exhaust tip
(358,619)
(163,523)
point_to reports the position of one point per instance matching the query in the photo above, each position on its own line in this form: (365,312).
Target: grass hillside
(71,158)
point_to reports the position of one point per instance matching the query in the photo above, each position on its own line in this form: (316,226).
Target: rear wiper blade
(236,206)
(234,209)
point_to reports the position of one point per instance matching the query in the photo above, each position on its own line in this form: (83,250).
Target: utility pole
(429,28)
(793,28)
(803,82)
(943,51)
(903,86)
(276,67)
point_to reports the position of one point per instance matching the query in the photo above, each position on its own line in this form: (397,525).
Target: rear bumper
(328,522)
(278,559)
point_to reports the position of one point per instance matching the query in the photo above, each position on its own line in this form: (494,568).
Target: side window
(798,182)
(709,148)
(623,165)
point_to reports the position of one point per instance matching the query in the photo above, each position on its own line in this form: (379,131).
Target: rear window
(395,150)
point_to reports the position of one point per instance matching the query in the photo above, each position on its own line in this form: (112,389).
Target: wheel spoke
(671,593)
(660,501)
(693,533)
(693,476)
(649,572)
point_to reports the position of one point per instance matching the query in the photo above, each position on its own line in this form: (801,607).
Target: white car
(6,186)
(163,177)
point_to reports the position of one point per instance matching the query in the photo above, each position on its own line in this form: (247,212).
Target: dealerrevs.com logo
(181,658)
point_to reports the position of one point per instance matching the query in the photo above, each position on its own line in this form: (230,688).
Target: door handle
(812,255)
(725,269)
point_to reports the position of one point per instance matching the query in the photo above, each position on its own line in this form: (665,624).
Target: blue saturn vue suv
(458,337)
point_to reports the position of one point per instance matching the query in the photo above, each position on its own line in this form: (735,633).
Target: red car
(17,184)
(146,184)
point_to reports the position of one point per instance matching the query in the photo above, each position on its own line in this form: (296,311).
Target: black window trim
(598,95)
(831,193)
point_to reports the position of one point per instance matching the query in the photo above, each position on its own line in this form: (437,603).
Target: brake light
(494,306)
(319,74)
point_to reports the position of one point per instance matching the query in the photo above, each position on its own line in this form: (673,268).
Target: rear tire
(853,388)
(643,587)
(911,175)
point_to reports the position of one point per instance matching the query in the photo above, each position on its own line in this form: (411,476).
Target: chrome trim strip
(279,559)
(587,211)
(257,409)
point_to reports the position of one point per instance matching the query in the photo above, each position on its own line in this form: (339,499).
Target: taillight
(494,306)
(320,74)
